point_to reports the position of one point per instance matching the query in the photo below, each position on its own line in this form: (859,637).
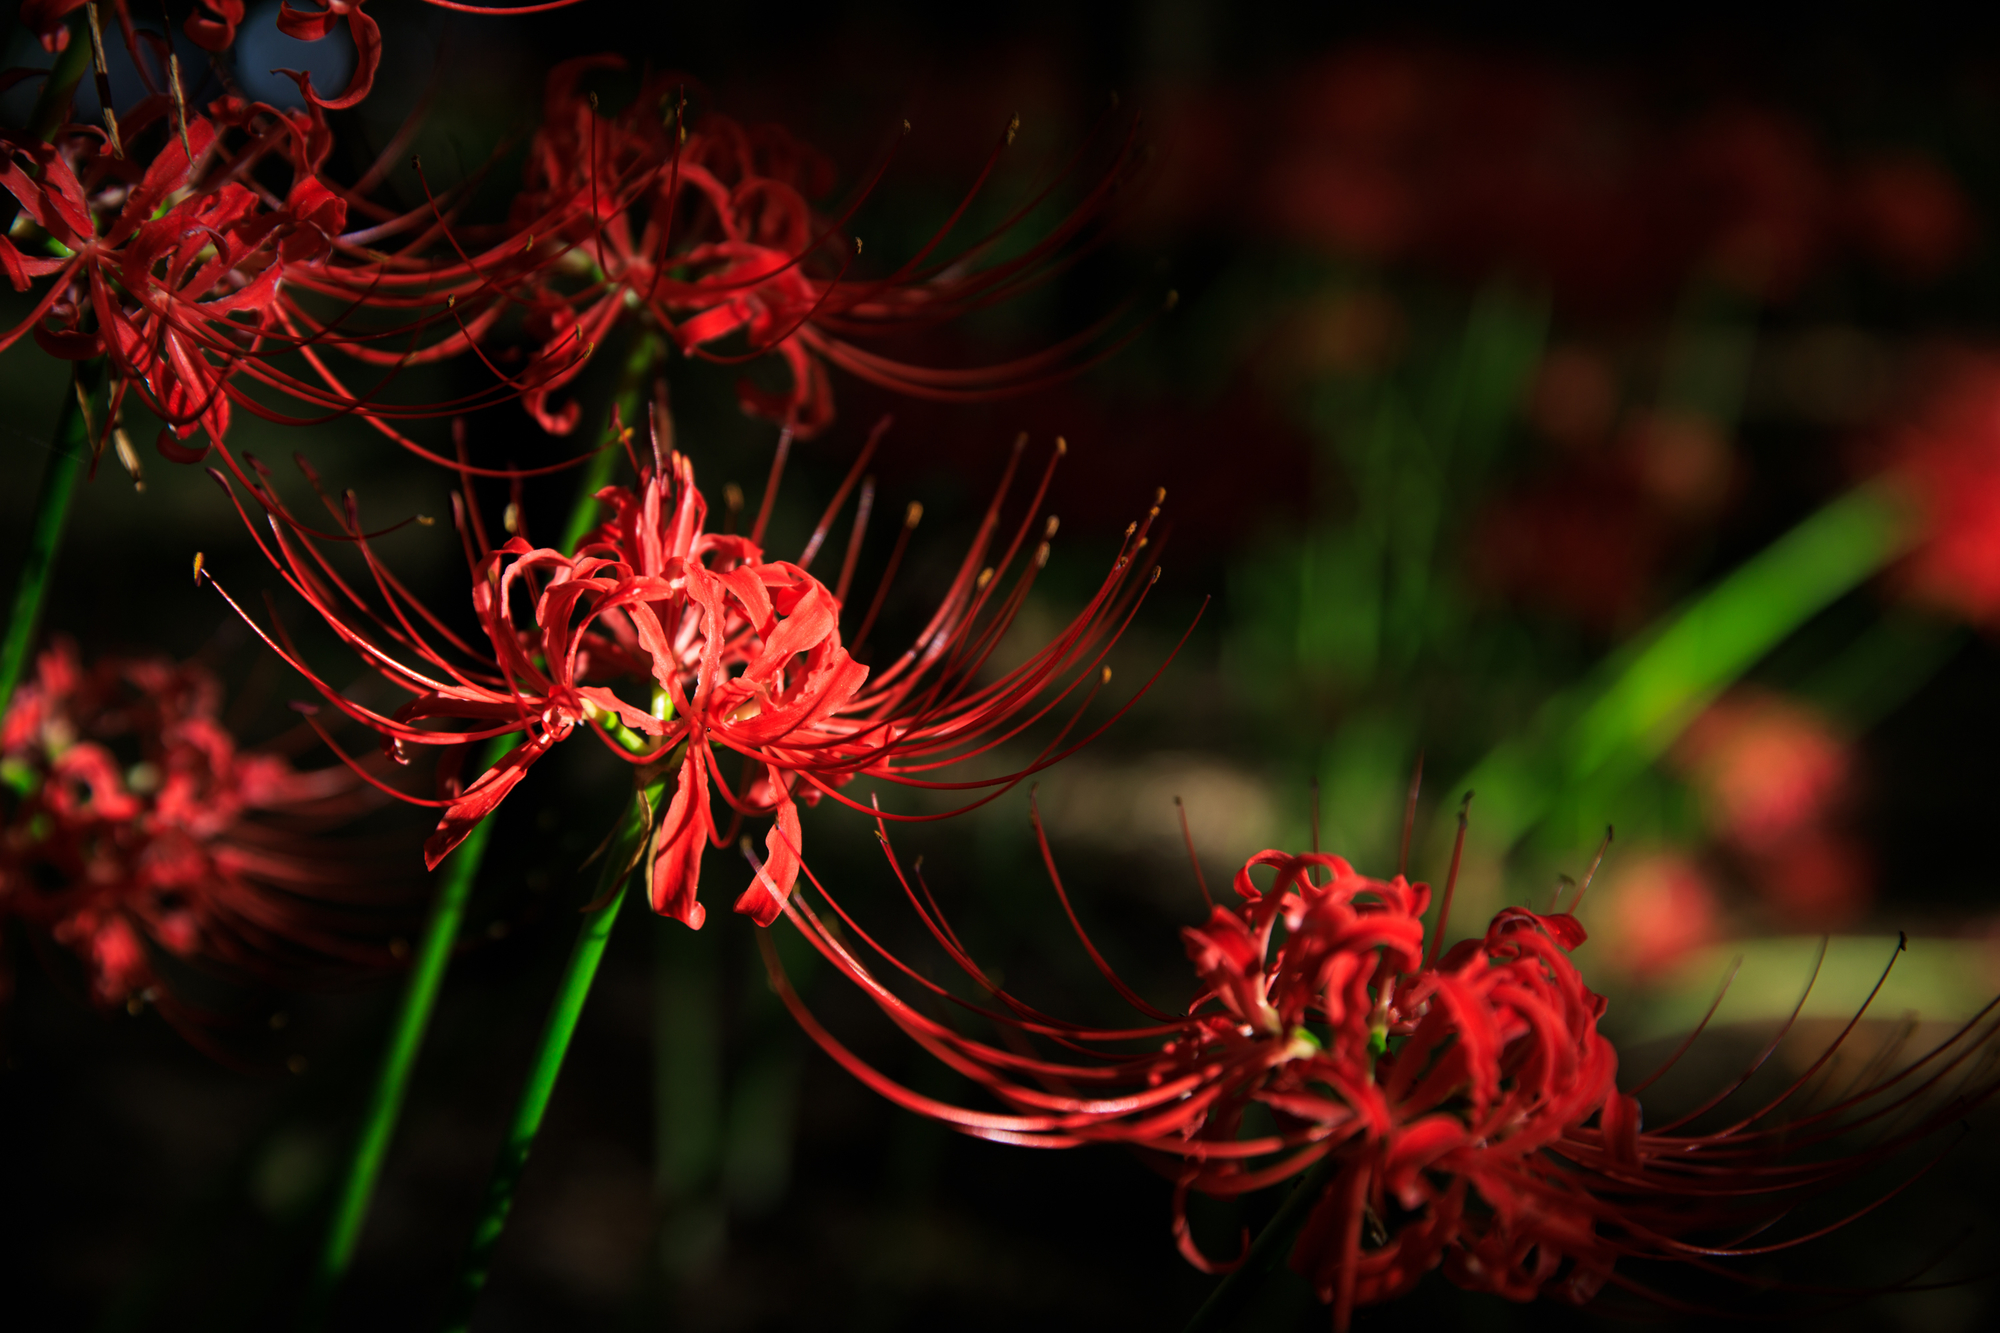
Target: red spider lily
(1946,457)
(707,233)
(735,652)
(135,828)
(1458,1112)
(170,273)
(180,272)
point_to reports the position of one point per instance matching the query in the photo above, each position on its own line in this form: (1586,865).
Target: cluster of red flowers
(205,265)
(1458,1111)
(135,830)
(737,651)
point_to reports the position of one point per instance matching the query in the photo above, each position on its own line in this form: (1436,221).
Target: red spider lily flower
(707,234)
(170,271)
(136,830)
(730,650)
(1946,457)
(1458,1112)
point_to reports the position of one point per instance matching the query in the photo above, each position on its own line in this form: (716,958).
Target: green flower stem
(67,459)
(420,992)
(392,1081)
(648,349)
(72,439)
(1235,1291)
(571,992)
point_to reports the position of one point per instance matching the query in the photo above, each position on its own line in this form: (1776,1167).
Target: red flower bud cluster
(135,830)
(1459,1112)
(718,648)
(205,252)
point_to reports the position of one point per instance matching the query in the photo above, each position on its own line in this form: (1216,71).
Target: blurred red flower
(1946,457)
(134,829)
(1767,767)
(1907,213)
(1657,910)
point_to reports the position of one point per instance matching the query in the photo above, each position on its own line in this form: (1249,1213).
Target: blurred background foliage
(1524,411)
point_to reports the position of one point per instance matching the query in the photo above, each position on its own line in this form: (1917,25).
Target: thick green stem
(550,1049)
(67,459)
(1234,1291)
(399,1058)
(633,380)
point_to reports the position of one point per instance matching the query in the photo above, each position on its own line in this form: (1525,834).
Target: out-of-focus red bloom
(1767,767)
(1820,878)
(1776,780)
(1587,537)
(1947,459)
(707,233)
(134,828)
(728,650)
(1581,542)
(1660,909)
(1458,1112)
(1909,215)
(1765,214)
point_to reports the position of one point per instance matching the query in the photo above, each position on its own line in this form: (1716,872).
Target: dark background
(147,1186)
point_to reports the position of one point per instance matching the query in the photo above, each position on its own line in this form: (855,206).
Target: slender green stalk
(420,992)
(1235,1291)
(72,438)
(67,459)
(392,1080)
(550,1049)
(633,381)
